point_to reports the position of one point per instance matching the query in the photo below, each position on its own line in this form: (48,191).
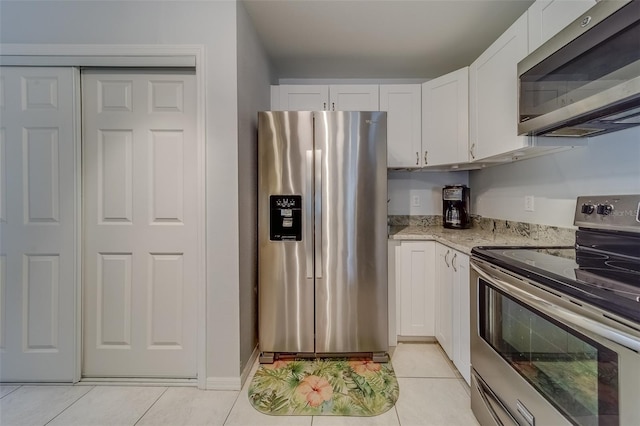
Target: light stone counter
(486,232)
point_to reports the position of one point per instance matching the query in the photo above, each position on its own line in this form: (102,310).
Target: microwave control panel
(285,218)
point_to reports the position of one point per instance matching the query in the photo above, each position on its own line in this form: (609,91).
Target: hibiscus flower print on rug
(341,387)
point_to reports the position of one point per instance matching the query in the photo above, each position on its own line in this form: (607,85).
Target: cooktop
(605,281)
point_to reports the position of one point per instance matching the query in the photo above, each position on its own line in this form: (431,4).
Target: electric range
(555,331)
(601,269)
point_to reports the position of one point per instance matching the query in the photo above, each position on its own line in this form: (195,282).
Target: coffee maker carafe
(455,207)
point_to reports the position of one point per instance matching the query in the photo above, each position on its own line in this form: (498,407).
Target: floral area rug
(340,387)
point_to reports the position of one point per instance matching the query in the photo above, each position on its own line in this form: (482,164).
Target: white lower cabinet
(432,298)
(461,315)
(415,287)
(453,307)
(444,298)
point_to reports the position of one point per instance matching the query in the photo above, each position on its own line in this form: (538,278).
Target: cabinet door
(417,288)
(461,315)
(548,17)
(494,95)
(444,299)
(445,119)
(403,105)
(356,97)
(275,98)
(302,97)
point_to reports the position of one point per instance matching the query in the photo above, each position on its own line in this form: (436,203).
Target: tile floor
(432,392)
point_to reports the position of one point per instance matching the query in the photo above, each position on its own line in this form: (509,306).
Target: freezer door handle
(318,212)
(309,213)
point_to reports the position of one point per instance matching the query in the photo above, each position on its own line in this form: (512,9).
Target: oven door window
(574,373)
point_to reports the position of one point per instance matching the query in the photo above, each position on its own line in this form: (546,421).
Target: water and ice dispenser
(285,218)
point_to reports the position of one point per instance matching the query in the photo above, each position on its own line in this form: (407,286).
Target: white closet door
(37,224)
(139,161)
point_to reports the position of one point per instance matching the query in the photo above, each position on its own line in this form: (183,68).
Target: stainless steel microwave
(585,81)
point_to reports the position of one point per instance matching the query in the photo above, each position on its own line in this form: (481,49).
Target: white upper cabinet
(493,95)
(445,119)
(311,97)
(403,105)
(548,17)
(299,97)
(354,97)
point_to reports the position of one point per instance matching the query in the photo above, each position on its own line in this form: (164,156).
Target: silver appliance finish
(497,388)
(616,212)
(327,293)
(614,108)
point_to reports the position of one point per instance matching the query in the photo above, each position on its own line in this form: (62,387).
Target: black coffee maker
(455,207)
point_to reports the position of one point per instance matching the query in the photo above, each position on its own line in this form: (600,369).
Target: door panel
(354,97)
(351,251)
(303,97)
(38,224)
(140,252)
(285,277)
(417,279)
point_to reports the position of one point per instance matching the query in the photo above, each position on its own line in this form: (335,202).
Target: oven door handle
(563,315)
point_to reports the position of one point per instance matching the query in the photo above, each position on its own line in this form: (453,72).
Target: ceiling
(378,39)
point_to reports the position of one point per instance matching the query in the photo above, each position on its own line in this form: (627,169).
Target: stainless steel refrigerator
(322,231)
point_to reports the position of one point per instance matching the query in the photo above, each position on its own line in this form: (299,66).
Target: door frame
(110,56)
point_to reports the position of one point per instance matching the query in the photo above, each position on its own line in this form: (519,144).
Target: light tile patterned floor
(431,393)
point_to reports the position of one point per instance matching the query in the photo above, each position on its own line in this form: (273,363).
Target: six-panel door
(38,215)
(140,234)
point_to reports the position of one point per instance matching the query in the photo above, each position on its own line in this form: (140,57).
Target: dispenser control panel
(286,218)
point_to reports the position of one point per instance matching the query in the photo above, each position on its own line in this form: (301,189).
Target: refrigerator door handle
(318,215)
(309,213)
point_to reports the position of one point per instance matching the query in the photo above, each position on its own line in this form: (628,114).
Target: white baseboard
(116,381)
(224,383)
(233,383)
(417,339)
(249,366)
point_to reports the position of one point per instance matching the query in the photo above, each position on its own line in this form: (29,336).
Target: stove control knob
(587,208)
(604,209)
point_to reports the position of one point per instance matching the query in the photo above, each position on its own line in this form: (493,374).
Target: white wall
(610,164)
(208,23)
(254,78)
(403,186)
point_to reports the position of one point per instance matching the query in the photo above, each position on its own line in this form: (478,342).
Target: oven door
(541,358)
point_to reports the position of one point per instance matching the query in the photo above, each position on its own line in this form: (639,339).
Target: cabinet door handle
(324,106)
(425,158)
(453,262)
(333,106)
(473,157)
(417,158)
(446,258)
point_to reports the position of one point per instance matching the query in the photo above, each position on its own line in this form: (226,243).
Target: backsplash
(414,220)
(550,234)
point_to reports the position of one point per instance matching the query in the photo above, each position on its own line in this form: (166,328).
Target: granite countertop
(463,240)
